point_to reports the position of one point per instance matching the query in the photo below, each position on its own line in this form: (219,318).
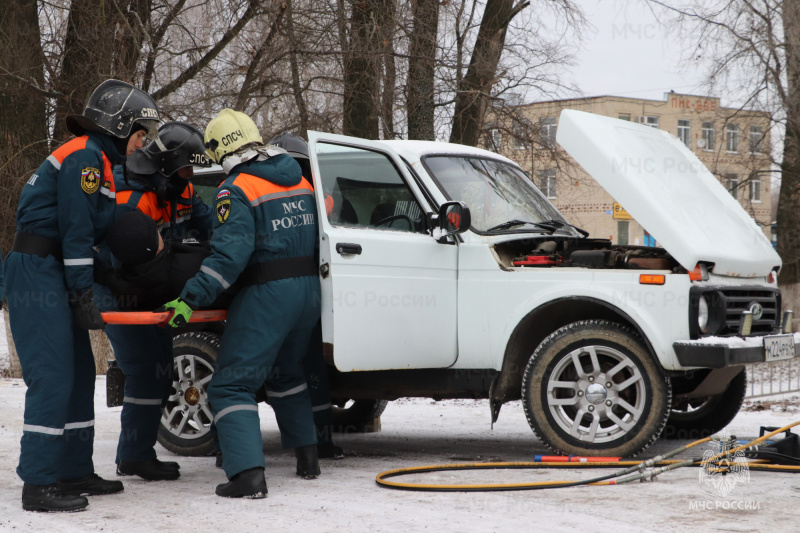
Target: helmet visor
(152,130)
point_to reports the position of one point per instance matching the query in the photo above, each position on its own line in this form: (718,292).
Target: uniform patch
(90,180)
(223,194)
(223,210)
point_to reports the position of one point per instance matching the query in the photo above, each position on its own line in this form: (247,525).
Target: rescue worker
(265,236)
(314,367)
(157,185)
(64,210)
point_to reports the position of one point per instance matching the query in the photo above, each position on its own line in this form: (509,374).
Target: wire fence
(775,378)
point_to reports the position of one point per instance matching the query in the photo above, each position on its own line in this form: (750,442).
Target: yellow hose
(633,466)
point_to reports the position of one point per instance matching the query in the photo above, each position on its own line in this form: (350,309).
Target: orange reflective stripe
(78,143)
(260,190)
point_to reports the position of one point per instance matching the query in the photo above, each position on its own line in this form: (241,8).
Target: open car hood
(670,192)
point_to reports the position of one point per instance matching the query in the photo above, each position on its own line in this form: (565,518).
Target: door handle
(348,248)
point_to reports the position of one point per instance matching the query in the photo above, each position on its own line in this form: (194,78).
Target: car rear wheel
(356,416)
(591,388)
(697,418)
(186,417)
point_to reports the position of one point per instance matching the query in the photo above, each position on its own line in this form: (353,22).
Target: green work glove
(179,313)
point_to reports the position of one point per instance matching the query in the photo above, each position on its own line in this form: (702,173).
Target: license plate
(779,347)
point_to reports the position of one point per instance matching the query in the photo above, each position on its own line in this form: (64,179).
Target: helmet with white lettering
(114,108)
(228,132)
(178,145)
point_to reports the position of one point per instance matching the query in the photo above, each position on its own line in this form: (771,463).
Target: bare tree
(420,89)
(751,48)
(475,89)
(23,122)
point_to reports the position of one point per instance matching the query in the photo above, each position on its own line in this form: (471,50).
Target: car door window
(364,189)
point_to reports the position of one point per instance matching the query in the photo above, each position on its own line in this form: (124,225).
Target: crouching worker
(157,187)
(65,209)
(265,236)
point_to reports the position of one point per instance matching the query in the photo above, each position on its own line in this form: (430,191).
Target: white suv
(447,274)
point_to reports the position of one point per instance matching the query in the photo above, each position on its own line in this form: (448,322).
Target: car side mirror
(453,217)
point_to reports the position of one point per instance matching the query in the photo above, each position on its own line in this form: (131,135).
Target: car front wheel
(591,388)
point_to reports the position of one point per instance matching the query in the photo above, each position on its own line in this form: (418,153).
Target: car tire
(592,388)
(698,418)
(186,417)
(356,416)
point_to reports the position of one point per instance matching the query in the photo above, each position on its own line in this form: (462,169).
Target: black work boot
(307,461)
(218,460)
(152,470)
(91,485)
(328,450)
(250,484)
(49,499)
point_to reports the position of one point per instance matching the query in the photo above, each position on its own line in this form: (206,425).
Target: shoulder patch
(223,210)
(90,180)
(224,193)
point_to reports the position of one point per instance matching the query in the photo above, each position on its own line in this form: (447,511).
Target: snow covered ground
(415,432)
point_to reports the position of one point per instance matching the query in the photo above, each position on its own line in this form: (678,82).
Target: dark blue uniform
(144,353)
(265,215)
(70,200)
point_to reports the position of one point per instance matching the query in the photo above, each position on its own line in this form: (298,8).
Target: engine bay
(582,253)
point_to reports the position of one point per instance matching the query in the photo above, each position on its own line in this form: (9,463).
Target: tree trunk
(23,121)
(475,89)
(88,58)
(133,18)
(788,217)
(421,69)
(362,69)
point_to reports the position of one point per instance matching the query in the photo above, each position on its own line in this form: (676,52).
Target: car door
(388,288)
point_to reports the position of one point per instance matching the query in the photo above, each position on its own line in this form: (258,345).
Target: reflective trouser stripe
(233,408)
(317,408)
(139,401)
(57,431)
(299,388)
(42,429)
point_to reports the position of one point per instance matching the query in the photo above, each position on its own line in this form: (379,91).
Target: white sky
(628,53)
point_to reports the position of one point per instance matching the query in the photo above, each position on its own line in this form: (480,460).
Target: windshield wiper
(551,228)
(560,224)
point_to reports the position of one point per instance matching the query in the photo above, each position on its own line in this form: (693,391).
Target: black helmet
(178,145)
(113,108)
(294,144)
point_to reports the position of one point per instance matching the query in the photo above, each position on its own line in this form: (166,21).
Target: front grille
(736,300)
(725,307)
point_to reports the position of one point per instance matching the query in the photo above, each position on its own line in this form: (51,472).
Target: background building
(732,143)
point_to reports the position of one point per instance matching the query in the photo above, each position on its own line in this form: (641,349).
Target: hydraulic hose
(634,471)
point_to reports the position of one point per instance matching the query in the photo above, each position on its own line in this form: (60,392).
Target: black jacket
(150,285)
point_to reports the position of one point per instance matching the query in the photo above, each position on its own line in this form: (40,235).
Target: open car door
(389,290)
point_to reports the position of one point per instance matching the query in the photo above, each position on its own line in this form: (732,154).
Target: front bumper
(719,352)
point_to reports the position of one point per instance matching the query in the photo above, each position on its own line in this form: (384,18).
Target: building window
(755,191)
(547,182)
(732,138)
(685,132)
(649,120)
(732,184)
(521,136)
(623,227)
(547,131)
(709,137)
(624,116)
(756,136)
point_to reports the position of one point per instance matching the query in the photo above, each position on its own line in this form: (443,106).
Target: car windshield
(496,193)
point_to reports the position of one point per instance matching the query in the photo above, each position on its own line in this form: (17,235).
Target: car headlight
(702,315)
